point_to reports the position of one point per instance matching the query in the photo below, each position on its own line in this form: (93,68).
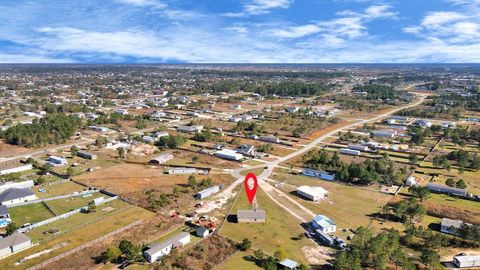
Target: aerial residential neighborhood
(239,135)
(156,185)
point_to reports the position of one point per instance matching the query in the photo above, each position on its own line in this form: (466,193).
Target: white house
(23,184)
(319,174)
(16,195)
(229,154)
(121,111)
(324,224)
(157,250)
(348,151)
(411,181)
(13,244)
(161,159)
(312,193)
(451,226)
(466,261)
(14,167)
(207,192)
(190,129)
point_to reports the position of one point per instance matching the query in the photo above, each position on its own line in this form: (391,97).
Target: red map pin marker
(251,186)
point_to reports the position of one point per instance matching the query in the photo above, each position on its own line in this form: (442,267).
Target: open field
(349,206)
(57,189)
(30,213)
(76,237)
(127,178)
(65,205)
(62,226)
(238,262)
(454,208)
(279,230)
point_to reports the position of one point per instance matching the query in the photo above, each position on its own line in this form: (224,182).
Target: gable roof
(156,247)
(13,240)
(324,221)
(15,193)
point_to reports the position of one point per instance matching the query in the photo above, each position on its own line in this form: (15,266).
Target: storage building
(57,161)
(86,155)
(161,159)
(348,151)
(312,193)
(229,154)
(446,189)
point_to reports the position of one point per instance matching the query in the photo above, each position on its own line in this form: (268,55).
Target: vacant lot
(127,178)
(280,229)
(454,208)
(238,262)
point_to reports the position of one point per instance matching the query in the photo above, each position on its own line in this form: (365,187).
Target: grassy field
(238,262)
(74,238)
(57,189)
(30,213)
(279,230)
(349,206)
(52,230)
(65,205)
(455,207)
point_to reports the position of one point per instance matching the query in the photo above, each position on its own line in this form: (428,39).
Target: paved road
(274,193)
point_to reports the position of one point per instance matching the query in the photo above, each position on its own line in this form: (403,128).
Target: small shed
(288,264)
(202,231)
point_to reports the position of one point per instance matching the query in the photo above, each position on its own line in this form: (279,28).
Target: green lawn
(62,226)
(57,189)
(237,262)
(30,213)
(65,205)
(278,231)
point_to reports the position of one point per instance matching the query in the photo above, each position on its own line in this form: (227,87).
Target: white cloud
(296,31)
(31,59)
(143,3)
(437,19)
(259,7)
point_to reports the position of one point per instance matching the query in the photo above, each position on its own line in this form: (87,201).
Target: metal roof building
(446,189)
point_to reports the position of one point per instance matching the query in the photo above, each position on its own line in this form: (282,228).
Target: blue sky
(239,31)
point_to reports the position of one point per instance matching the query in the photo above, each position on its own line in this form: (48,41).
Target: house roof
(446,222)
(3,210)
(312,190)
(156,247)
(251,214)
(289,263)
(202,230)
(15,193)
(324,221)
(468,258)
(13,240)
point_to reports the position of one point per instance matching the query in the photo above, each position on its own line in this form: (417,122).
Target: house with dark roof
(13,244)
(446,189)
(16,195)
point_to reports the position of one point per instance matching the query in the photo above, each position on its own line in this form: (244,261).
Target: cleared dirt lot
(126,178)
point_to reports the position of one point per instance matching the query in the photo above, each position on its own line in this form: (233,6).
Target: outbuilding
(229,154)
(57,161)
(86,155)
(288,264)
(161,159)
(446,189)
(202,231)
(312,193)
